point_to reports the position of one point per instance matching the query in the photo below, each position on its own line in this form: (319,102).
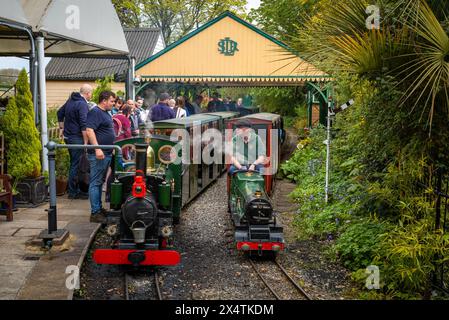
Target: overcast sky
(252,4)
(19,63)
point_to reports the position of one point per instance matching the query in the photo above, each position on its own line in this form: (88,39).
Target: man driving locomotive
(248,149)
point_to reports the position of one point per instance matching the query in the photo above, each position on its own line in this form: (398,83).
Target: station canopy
(229,51)
(70,27)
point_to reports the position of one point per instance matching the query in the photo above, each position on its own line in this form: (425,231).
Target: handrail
(51,146)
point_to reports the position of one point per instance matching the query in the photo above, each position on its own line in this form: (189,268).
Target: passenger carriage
(195,177)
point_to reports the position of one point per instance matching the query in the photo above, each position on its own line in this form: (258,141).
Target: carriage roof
(263,116)
(224,114)
(187,121)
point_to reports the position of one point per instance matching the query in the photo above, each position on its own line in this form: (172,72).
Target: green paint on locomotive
(245,187)
(166,171)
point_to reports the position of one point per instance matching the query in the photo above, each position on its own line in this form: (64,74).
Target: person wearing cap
(162,111)
(248,149)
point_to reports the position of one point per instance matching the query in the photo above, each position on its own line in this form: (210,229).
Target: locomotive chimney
(141,157)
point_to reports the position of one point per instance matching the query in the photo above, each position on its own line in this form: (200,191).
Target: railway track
(284,274)
(131,280)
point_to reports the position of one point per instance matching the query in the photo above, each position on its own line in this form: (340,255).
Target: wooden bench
(6,195)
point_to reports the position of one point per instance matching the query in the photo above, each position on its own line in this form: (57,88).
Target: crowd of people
(83,122)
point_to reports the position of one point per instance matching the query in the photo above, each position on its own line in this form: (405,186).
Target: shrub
(21,134)
(102,85)
(360,242)
(62,161)
(409,255)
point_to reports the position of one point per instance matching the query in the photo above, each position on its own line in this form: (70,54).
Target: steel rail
(156,282)
(285,273)
(158,289)
(126,287)
(264,281)
(292,281)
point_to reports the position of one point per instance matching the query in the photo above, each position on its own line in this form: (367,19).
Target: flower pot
(61,186)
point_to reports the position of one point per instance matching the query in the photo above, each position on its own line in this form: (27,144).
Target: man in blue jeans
(100,131)
(72,125)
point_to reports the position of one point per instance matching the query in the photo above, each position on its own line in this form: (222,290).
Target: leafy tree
(128,12)
(281,18)
(22,137)
(283,101)
(104,84)
(175,18)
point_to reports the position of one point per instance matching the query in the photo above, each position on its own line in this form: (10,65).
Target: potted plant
(62,170)
(23,145)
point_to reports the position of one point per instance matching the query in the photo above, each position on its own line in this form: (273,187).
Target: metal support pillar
(309,108)
(43,100)
(48,236)
(52,220)
(133,76)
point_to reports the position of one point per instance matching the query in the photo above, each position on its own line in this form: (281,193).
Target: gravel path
(210,267)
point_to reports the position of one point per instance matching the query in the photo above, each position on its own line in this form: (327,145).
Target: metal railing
(52,232)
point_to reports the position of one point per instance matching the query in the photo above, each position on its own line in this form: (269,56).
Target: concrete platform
(29,272)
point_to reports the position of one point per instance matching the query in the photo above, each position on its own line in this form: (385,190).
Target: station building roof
(229,51)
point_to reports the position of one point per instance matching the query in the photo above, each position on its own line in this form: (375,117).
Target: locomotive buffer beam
(259,238)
